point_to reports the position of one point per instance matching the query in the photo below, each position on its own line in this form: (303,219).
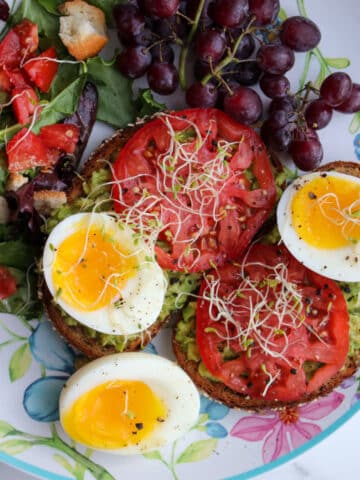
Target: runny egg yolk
(326,212)
(90,268)
(114,415)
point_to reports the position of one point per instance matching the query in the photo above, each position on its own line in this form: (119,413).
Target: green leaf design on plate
(282,14)
(14,447)
(197,451)
(204,417)
(355,123)
(339,63)
(155,455)
(63,462)
(5,429)
(20,362)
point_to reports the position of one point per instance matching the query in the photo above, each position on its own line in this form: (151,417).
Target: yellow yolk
(90,268)
(326,212)
(114,415)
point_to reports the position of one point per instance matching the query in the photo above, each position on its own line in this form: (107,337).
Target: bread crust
(78,338)
(220,392)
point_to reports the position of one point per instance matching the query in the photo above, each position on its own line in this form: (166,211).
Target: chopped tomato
(5,85)
(7,283)
(17,78)
(203,180)
(29,37)
(10,50)
(27,150)
(270,328)
(24,101)
(60,136)
(42,71)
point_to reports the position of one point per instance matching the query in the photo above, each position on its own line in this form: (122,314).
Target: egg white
(342,264)
(142,295)
(166,379)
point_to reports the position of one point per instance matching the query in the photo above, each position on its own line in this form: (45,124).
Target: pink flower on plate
(285,429)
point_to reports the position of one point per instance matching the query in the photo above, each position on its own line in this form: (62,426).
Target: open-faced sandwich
(256,324)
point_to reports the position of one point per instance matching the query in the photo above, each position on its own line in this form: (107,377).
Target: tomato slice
(27,150)
(29,37)
(42,71)
(270,328)
(203,180)
(7,283)
(60,136)
(10,50)
(24,101)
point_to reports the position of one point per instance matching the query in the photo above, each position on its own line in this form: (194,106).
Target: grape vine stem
(185,48)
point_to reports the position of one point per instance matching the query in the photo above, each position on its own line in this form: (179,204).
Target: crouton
(15,181)
(47,200)
(82,29)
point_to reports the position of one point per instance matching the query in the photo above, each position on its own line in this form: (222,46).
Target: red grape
(306,149)
(244,105)
(230,13)
(274,86)
(246,47)
(163,78)
(191,8)
(210,44)
(199,95)
(300,33)
(201,69)
(130,24)
(287,103)
(352,104)
(265,11)
(318,114)
(159,8)
(4,10)
(279,139)
(275,59)
(133,61)
(162,52)
(248,73)
(336,89)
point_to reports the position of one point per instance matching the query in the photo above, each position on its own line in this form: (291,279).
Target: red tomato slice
(187,172)
(10,50)
(24,103)
(29,37)
(7,283)
(27,150)
(277,319)
(60,136)
(42,71)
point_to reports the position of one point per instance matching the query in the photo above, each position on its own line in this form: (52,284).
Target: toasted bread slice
(78,335)
(220,392)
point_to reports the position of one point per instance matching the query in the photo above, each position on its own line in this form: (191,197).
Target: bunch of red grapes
(222,40)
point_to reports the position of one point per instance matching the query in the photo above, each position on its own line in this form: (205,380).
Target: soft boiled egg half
(318,218)
(128,403)
(102,274)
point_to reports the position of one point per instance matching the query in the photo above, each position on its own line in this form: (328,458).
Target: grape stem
(231,55)
(185,48)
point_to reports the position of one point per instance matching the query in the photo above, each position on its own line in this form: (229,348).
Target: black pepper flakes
(139,426)
(312,195)
(293,371)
